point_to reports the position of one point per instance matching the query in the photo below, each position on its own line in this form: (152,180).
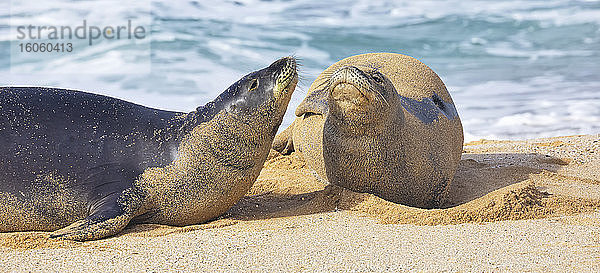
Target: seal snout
(288,74)
(348,84)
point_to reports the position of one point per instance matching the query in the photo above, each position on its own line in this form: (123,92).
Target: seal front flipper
(315,102)
(110,216)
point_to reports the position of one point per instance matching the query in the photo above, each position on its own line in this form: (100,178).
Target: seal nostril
(377,78)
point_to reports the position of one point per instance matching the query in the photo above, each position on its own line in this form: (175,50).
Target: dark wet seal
(89,165)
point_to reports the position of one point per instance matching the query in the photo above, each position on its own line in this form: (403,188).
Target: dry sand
(514,206)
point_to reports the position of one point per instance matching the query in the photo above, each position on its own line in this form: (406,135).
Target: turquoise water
(516,69)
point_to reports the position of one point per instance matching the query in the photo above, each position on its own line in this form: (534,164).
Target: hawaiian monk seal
(91,164)
(380,123)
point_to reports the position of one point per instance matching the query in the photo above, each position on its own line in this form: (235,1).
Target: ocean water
(516,69)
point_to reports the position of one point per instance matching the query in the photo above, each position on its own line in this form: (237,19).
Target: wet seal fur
(380,123)
(89,165)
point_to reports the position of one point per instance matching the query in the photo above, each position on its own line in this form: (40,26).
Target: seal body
(380,123)
(89,165)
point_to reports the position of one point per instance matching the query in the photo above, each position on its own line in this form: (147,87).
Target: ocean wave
(369,13)
(531,108)
(505,51)
(515,68)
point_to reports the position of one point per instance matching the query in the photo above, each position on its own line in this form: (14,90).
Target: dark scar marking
(428,109)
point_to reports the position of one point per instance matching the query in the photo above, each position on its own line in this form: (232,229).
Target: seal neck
(201,115)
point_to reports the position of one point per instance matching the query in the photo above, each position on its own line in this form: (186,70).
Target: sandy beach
(514,206)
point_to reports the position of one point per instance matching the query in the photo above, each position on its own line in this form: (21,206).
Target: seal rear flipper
(113,214)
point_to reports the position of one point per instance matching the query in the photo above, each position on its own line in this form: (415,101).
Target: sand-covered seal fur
(380,123)
(86,165)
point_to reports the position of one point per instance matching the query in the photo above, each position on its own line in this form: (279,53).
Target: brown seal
(380,123)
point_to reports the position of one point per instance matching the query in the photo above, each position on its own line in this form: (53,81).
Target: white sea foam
(542,114)
(507,51)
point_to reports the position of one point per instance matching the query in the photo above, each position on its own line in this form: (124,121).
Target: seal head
(262,88)
(360,100)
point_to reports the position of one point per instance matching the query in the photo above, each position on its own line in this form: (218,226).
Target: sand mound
(496,180)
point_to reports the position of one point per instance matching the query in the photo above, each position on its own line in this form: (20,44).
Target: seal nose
(347,71)
(345,74)
(285,74)
(289,59)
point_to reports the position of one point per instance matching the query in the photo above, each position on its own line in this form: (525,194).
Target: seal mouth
(345,91)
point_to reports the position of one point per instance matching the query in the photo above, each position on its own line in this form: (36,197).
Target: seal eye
(253,85)
(378,78)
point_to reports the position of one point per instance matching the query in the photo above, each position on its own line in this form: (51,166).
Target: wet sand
(514,206)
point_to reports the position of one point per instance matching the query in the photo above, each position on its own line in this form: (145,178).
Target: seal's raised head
(359,97)
(268,87)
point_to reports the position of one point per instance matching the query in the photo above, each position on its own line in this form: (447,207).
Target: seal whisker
(302,82)
(374,90)
(323,84)
(302,89)
(372,66)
